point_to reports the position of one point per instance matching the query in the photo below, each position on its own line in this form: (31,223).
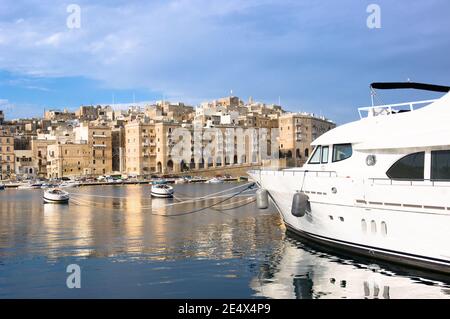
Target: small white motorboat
(68,184)
(2,186)
(181,180)
(56,196)
(30,186)
(162,190)
(215,180)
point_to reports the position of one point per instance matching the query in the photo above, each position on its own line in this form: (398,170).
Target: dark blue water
(128,246)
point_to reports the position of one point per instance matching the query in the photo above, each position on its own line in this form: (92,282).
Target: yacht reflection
(302,273)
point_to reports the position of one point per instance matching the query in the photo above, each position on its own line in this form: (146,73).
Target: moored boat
(69,184)
(378,187)
(2,186)
(56,196)
(30,185)
(162,190)
(215,180)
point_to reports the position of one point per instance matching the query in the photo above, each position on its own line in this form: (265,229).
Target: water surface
(130,246)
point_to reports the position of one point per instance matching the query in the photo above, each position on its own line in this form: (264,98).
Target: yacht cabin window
(320,155)
(440,165)
(410,167)
(342,152)
(315,158)
(324,154)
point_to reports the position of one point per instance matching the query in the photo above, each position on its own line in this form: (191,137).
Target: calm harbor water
(128,246)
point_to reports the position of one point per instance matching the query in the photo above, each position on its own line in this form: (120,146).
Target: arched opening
(227,160)
(289,154)
(298,154)
(210,162)
(170,165)
(159,167)
(235,159)
(183,166)
(219,161)
(192,164)
(201,164)
(306,152)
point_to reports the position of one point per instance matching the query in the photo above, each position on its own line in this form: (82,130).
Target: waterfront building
(118,148)
(68,160)
(39,153)
(25,165)
(140,148)
(97,135)
(296,133)
(7,160)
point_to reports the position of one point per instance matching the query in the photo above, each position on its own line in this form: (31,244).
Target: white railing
(390,108)
(300,172)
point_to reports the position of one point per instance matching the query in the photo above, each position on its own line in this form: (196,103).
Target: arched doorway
(170,165)
(159,167)
(183,166)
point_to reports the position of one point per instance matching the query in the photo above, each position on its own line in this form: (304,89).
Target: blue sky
(317,56)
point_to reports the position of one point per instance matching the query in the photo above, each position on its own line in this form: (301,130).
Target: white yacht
(379,186)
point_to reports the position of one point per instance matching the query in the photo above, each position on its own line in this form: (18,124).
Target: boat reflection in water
(300,272)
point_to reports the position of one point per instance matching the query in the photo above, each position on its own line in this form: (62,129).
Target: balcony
(99,145)
(99,135)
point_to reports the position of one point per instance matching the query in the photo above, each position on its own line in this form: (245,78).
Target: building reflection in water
(303,273)
(124,221)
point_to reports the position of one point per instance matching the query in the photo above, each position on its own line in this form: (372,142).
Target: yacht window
(315,158)
(324,154)
(342,152)
(440,165)
(410,167)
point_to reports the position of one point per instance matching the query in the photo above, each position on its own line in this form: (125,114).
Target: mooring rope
(80,203)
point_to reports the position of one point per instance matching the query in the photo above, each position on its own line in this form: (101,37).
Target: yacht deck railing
(404,182)
(284,172)
(389,109)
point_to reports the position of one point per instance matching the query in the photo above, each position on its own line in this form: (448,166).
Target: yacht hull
(345,222)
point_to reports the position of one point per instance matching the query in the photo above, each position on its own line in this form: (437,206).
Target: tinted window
(440,165)
(342,152)
(315,158)
(325,154)
(408,167)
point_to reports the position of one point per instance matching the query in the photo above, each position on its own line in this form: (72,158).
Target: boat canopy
(409,85)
